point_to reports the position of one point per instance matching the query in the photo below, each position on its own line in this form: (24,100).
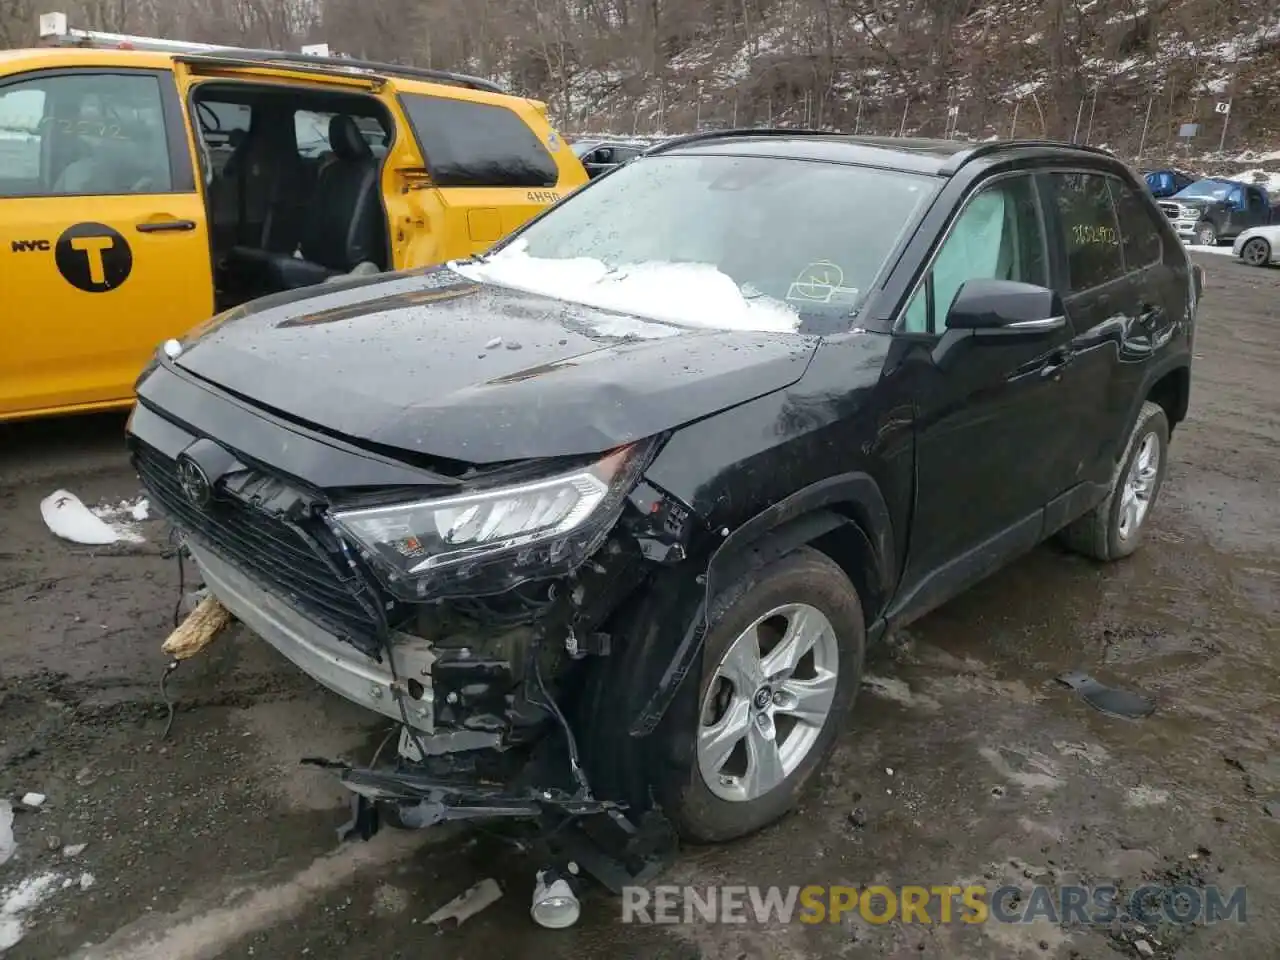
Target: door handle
(1054,364)
(166,226)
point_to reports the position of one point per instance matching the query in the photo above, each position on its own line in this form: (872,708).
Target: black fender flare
(1154,375)
(780,528)
(803,517)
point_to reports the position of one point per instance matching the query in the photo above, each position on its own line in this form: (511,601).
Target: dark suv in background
(1210,211)
(607,518)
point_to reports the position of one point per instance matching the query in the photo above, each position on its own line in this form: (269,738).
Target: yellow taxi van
(147,184)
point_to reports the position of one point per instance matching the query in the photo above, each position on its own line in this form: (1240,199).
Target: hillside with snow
(1126,74)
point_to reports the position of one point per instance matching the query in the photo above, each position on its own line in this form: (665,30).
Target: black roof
(914,154)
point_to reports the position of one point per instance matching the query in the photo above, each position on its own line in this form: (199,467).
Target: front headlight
(488,541)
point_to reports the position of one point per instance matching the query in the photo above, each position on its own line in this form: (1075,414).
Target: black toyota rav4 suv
(606,517)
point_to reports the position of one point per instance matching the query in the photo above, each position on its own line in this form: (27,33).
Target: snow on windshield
(689,294)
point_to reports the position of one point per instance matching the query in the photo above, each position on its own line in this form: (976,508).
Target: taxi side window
(469,144)
(83,135)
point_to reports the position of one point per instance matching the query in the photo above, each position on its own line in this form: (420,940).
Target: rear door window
(1090,233)
(470,144)
(1139,233)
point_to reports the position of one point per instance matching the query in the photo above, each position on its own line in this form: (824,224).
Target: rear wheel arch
(1172,392)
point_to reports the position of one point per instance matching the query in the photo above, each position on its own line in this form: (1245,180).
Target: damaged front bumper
(317,652)
(474,678)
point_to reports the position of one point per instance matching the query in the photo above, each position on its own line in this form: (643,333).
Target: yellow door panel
(513,163)
(90,288)
(104,251)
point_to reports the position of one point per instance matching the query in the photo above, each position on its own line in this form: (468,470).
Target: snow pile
(19,900)
(67,517)
(689,294)
(1266,179)
(125,510)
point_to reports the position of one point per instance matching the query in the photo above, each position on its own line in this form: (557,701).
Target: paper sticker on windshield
(820,282)
(553,142)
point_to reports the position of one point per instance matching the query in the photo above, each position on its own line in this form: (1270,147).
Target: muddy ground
(215,844)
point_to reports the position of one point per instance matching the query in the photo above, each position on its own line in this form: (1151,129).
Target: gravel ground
(215,843)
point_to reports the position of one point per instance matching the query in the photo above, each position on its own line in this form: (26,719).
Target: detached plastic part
(1108,700)
(555,905)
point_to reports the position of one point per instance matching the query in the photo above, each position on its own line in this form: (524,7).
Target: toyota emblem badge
(194,482)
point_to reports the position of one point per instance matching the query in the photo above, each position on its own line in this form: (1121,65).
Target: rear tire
(1115,527)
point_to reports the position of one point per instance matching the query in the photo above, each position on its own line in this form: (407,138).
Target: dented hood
(432,363)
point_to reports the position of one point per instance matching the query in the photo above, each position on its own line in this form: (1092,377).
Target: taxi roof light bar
(55,31)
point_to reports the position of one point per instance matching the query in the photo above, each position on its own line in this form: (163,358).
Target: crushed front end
(467,609)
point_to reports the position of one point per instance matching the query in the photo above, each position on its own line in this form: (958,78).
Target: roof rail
(55,31)
(995,146)
(686,138)
(390,69)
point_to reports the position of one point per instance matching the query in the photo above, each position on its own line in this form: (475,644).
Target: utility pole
(1142,144)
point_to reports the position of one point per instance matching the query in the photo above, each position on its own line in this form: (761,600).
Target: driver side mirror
(1005,308)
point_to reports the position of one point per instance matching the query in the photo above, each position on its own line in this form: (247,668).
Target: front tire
(1116,527)
(1206,234)
(1256,252)
(781,665)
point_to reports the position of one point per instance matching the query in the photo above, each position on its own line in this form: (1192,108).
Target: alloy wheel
(1256,252)
(767,702)
(1139,486)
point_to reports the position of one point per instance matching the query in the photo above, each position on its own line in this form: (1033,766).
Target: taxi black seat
(343,223)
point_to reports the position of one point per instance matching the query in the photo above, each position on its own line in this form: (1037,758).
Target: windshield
(750,243)
(1208,189)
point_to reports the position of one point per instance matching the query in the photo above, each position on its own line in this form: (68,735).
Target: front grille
(1171,210)
(283,560)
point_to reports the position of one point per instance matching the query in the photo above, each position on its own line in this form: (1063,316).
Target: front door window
(83,135)
(996,237)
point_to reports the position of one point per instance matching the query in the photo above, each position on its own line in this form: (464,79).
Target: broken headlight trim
(491,540)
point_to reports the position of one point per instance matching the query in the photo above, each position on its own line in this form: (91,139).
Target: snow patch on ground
(19,900)
(126,511)
(688,294)
(67,517)
(1220,251)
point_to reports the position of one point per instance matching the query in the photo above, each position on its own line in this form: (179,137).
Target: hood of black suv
(433,363)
